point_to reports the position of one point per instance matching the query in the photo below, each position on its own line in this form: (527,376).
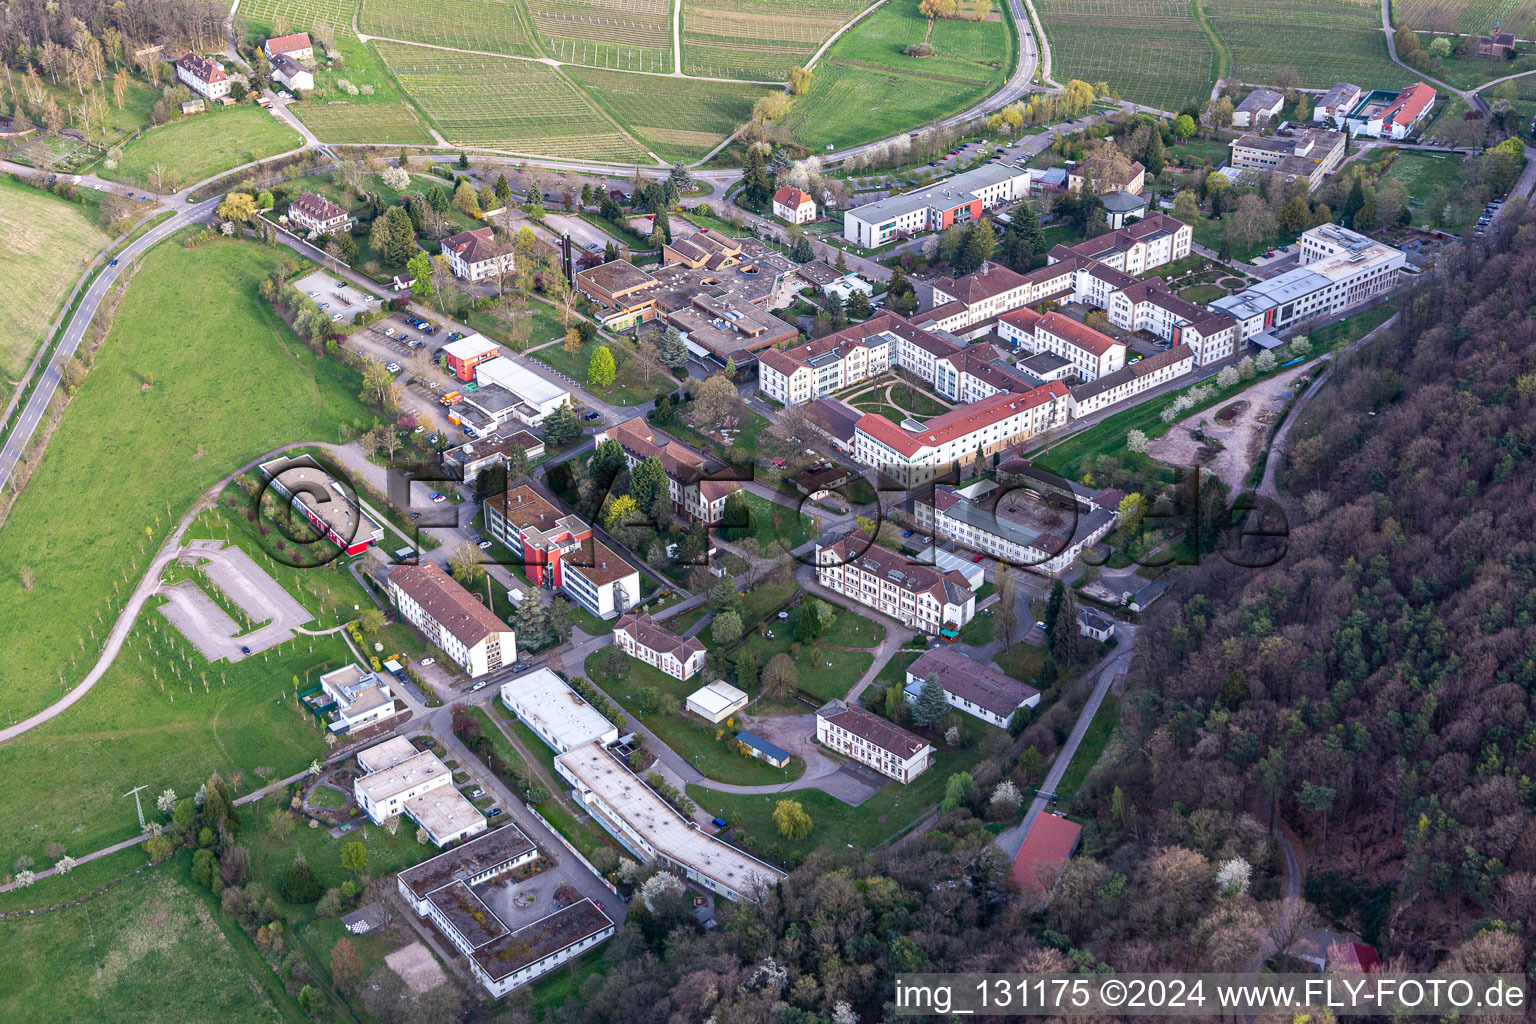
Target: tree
(790,817)
(397,179)
(802,251)
(531,622)
(72,374)
(648,480)
(780,675)
(465,199)
(464,564)
(608,461)
(746,671)
(958,791)
(1133,510)
(1219,112)
(931,705)
(354,858)
(715,398)
(1186,207)
(620,511)
(561,621)
(674,351)
(371,620)
(346,966)
(1295,216)
(816,617)
(238,207)
(301,885)
(562,427)
(1184,126)
(1156,157)
(1053,604)
(726,628)
(601,371)
(419,269)
(1065,640)
(205,869)
(800,81)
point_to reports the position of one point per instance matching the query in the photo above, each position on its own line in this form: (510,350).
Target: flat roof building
(446,814)
(651,829)
(559,715)
(717,701)
(361,698)
(314,493)
(383,793)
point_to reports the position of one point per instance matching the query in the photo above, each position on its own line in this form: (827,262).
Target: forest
(130,24)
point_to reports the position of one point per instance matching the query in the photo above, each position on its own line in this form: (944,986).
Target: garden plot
(623,35)
(487,25)
(516,105)
(756,38)
(1149,51)
(1325,41)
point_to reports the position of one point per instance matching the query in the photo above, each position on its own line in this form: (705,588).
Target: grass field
(678,119)
(1149,51)
(45,245)
(514,105)
(1092,747)
(625,35)
(1325,41)
(1425,176)
(201,146)
(112,958)
(1473,17)
(865,88)
(758,39)
(360,123)
(629,387)
(146,454)
(488,25)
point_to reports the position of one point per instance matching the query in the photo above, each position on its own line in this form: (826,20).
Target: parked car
(493,812)
(415,516)
(476,793)
(245,650)
(417,343)
(589,415)
(393,367)
(419,429)
(1040,623)
(479,686)
(976,559)
(312,294)
(485,545)
(428,661)
(905,534)
(437,498)
(336,318)
(432,439)
(389,332)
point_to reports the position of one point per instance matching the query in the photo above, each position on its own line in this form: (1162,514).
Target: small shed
(762,749)
(193,107)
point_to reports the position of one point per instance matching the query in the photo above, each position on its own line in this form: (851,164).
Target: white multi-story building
(642,637)
(361,698)
(1310,153)
(476,255)
(1150,306)
(1012,525)
(316,213)
(559,552)
(396,779)
(1336,103)
(1136,248)
(648,827)
(450,617)
(1339,269)
(978,690)
(556,713)
(954,200)
(1092,353)
(793,206)
(699,485)
(1132,380)
(202,75)
(501,958)
(869,739)
(918,596)
(816,369)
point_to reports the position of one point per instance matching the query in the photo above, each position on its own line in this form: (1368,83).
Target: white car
(1039,623)
(479,686)
(428,661)
(313,294)
(419,430)
(485,545)
(393,367)
(389,332)
(336,319)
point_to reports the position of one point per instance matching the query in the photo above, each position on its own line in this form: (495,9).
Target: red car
(976,558)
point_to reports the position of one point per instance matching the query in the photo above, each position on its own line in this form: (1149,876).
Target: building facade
(919,596)
(871,740)
(476,255)
(793,206)
(955,200)
(317,213)
(1013,525)
(645,639)
(1134,379)
(202,75)
(980,691)
(699,485)
(452,618)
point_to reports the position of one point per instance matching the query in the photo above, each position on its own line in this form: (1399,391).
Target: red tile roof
(476,246)
(650,634)
(453,607)
(1077,333)
(957,422)
(202,68)
(1023,318)
(317,207)
(873,729)
(1050,842)
(1409,105)
(288,44)
(992,279)
(791,197)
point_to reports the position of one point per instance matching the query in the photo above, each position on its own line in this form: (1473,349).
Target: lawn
(688,735)
(1436,183)
(677,119)
(1023,662)
(629,385)
(879,819)
(112,958)
(978,632)
(1149,51)
(327,796)
(772,523)
(866,88)
(202,146)
(1202,294)
(45,245)
(1325,41)
(147,453)
(1089,750)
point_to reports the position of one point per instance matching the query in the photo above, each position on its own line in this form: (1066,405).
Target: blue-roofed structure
(762,749)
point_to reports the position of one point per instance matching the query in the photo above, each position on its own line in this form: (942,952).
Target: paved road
(1009,840)
(37,406)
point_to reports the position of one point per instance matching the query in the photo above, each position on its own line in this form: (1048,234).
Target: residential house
(1258,107)
(699,484)
(476,255)
(452,618)
(871,740)
(1498,46)
(292,74)
(919,596)
(1095,625)
(315,213)
(793,206)
(396,779)
(296,47)
(979,690)
(203,75)
(1133,181)
(1122,208)
(360,698)
(1150,306)
(642,637)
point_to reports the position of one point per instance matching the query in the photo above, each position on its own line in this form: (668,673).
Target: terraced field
(624,35)
(515,105)
(758,39)
(297,15)
(866,88)
(489,25)
(1149,51)
(1325,41)
(359,123)
(677,118)
(1473,17)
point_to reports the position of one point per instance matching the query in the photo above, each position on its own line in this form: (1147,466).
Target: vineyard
(623,35)
(1471,17)
(282,16)
(1325,41)
(487,25)
(1149,51)
(362,123)
(516,105)
(758,39)
(677,118)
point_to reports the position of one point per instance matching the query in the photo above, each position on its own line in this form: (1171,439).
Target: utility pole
(135,794)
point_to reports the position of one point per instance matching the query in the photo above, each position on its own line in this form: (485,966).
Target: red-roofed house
(1399,117)
(316,213)
(641,636)
(794,206)
(1050,843)
(699,485)
(476,255)
(1353,958)
(202,75)
(296,46)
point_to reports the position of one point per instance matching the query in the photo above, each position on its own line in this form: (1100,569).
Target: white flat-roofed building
(536,397)
(652,830)
(954,200)
(361,698)
(446,815)
(869,739)
(978,690)
(717,701)
(478,861)
(642,637)
(554,711)
(382,794)
(386,755)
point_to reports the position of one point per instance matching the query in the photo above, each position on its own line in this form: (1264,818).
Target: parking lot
(335,296)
